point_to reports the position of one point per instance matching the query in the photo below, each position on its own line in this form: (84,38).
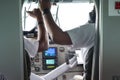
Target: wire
(56,15)
(57,18)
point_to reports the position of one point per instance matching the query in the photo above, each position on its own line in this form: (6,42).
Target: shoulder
(30,41)
(86,28)
(88,25)
(31,46)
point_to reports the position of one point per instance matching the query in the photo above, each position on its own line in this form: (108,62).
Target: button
(37,69)
(36,60)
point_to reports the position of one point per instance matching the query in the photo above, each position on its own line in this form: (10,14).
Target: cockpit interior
(57,57)
(59,62)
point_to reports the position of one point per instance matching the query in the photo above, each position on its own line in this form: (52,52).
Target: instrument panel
(50,59)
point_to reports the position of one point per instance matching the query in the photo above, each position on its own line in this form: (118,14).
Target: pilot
(82,37)
(41,43)
(33,46)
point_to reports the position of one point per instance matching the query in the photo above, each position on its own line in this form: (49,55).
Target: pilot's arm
(34,46)
(55,32)
(82,36)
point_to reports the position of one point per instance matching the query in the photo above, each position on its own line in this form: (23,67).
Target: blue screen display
(50,52)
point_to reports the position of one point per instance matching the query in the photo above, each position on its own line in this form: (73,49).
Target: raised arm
(42,33)
(54,31)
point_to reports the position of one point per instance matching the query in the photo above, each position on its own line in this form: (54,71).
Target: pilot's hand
(36,13)
(43,4)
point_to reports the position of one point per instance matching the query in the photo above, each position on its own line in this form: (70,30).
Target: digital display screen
(49,58)
(50,61)
(50,52)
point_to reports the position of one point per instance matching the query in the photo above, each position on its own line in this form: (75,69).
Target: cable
(56,14)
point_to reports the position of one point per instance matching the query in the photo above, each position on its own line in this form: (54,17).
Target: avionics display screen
(50,52)
(50,61)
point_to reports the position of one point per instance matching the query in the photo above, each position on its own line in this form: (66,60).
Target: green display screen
(50,61)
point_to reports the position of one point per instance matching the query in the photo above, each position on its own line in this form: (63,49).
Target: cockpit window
(71,15)
(66,15)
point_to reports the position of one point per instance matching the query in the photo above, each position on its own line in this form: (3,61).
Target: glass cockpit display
(50,52)
(49,58)
(50,61)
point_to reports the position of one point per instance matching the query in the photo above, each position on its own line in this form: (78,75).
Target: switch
(37,69)
(117,5)
(36,60)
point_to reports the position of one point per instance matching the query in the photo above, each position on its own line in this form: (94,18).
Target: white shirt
(83,37)
(31,46)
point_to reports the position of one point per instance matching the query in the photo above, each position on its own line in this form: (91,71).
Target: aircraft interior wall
(110,40)
(11,46)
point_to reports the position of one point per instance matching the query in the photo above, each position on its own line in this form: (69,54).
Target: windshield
(66,15)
